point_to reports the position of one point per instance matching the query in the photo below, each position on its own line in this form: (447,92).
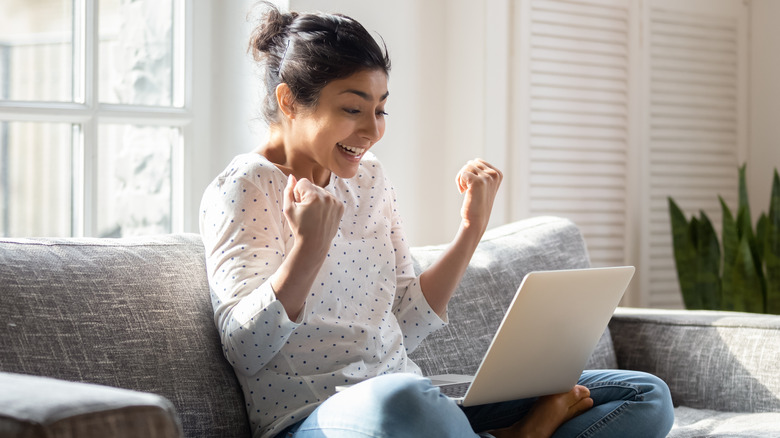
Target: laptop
(546,337)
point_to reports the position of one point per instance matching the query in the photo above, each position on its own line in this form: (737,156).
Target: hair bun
(268,35)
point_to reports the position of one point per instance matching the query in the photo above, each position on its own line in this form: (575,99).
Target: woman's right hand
(313,214)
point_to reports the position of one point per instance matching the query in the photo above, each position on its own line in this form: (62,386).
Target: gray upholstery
(692,423)
(503,258)
(135,313)
(131,313)
(710,360)
(44,407)
(721,367)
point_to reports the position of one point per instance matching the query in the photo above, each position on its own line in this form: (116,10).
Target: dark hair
(308,50)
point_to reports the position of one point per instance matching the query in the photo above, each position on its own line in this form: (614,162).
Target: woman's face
(347,120)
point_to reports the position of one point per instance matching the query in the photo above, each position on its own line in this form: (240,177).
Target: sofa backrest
(132,313)
(135,313)
(499,264)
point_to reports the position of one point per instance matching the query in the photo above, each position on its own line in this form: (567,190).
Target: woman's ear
(285,100)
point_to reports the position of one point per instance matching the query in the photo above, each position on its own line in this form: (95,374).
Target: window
(93,110)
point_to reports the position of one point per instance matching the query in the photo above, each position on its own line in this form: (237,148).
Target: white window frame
(87,111)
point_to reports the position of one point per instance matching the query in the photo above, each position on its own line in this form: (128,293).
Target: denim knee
(408,390)
(411,400)
(627,403)
(658,401)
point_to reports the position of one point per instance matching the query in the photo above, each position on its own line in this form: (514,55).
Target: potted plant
(742,272)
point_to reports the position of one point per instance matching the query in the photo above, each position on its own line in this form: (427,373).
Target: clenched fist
(479,181)
(313,214)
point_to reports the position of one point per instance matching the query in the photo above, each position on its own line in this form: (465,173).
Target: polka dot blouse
(363,315)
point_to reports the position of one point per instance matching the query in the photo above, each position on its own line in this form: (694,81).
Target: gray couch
(115,337)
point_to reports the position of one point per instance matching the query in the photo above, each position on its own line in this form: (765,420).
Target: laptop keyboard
(455,390)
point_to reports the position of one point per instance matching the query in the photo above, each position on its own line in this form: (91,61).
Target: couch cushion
(726,361)
(131,313)
(501,261)
(32,406)
(694,423)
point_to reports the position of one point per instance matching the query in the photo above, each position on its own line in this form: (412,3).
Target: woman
(312,281)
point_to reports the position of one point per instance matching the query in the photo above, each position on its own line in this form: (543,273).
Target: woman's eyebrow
(364,95)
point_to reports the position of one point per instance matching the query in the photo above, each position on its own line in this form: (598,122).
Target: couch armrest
(725,361)
(32,406)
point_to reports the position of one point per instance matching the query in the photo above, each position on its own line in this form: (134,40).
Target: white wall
(198,169)
(224,90)
(236,85)
(764,148)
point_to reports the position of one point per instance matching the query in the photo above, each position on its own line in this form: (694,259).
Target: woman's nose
(371,128)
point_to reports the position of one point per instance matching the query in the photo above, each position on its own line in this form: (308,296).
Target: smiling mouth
(352,150)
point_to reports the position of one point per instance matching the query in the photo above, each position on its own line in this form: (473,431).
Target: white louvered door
(576,138)
(695,57)
(619,104)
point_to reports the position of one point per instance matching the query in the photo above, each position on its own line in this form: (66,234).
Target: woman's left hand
(479,180)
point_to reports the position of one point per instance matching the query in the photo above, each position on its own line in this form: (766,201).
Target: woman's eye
(355,111)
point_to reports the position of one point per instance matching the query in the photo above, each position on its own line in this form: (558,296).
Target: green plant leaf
(745,231)
(774,202)
(744,227)
(748,293)
(693,233)
(761,234)
(744,202)
(684,255)
(772,249)
(730,243)
(759,248)
(707,264)
(750,275)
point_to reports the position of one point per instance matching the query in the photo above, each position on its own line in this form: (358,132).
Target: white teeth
(352,150)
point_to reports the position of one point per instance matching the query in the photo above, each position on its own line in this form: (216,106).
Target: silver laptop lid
(548,333)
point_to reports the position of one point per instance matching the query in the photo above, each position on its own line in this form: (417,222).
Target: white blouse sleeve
(246,238)
(415,316)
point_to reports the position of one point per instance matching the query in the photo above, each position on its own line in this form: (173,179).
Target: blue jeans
(626,403)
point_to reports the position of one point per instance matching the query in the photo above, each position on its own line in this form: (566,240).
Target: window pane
(36,184)
(36,50)
(136,52)
(134,179)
